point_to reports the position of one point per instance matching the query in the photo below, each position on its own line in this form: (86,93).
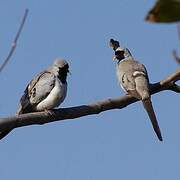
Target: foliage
(164,11)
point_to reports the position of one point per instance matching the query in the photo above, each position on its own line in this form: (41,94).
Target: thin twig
(176,57)
(178,30)
(174,53)
(171,78)
(14,44)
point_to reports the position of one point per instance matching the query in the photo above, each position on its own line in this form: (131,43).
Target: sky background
(116,144)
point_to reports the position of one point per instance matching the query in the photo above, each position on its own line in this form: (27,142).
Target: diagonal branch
(178,30)
(174,53)
(84,110)
(171,78)
(176,57)
(15,41)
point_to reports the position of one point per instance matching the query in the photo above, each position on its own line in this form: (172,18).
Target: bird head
(114,44)
(62,65)
(119,53)
(60,68)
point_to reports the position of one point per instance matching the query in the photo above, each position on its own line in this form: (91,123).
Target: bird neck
(62,75)
(123,54)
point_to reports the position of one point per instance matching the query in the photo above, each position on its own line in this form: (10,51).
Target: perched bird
(45,91)
(133,78)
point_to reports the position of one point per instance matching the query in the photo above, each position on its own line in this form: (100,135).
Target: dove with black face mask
(133,78)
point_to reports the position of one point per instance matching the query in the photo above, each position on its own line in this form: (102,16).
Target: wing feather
(37,90)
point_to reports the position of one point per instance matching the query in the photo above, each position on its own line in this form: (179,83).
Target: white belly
(55,97)
(119,77)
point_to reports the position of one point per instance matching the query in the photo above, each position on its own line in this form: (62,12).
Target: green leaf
(165,11)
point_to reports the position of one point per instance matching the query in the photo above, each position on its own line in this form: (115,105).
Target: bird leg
(50,112)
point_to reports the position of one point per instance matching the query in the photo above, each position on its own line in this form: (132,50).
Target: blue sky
(117,144)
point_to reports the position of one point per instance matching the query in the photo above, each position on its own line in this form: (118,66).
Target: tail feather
(20,110)
(149,108)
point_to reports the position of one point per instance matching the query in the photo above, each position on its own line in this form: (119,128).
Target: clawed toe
(50,112)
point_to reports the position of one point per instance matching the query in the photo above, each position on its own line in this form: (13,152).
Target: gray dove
(133,78)
(45,91)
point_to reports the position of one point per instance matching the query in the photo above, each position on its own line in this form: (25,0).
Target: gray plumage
(45,91)
(133,78)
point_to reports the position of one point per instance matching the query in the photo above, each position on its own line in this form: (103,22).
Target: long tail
(149,108)
(4,133)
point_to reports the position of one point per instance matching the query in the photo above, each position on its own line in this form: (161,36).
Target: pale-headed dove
(45,91)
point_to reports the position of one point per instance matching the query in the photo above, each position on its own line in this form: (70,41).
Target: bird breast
(55,97)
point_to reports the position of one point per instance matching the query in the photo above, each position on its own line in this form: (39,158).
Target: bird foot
(50,112)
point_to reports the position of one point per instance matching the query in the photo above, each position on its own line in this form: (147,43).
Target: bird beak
(114,58)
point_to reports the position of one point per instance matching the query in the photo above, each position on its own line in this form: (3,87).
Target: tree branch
(13,47)
(176,57)
(174,53)
(84,110)
(171,78)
